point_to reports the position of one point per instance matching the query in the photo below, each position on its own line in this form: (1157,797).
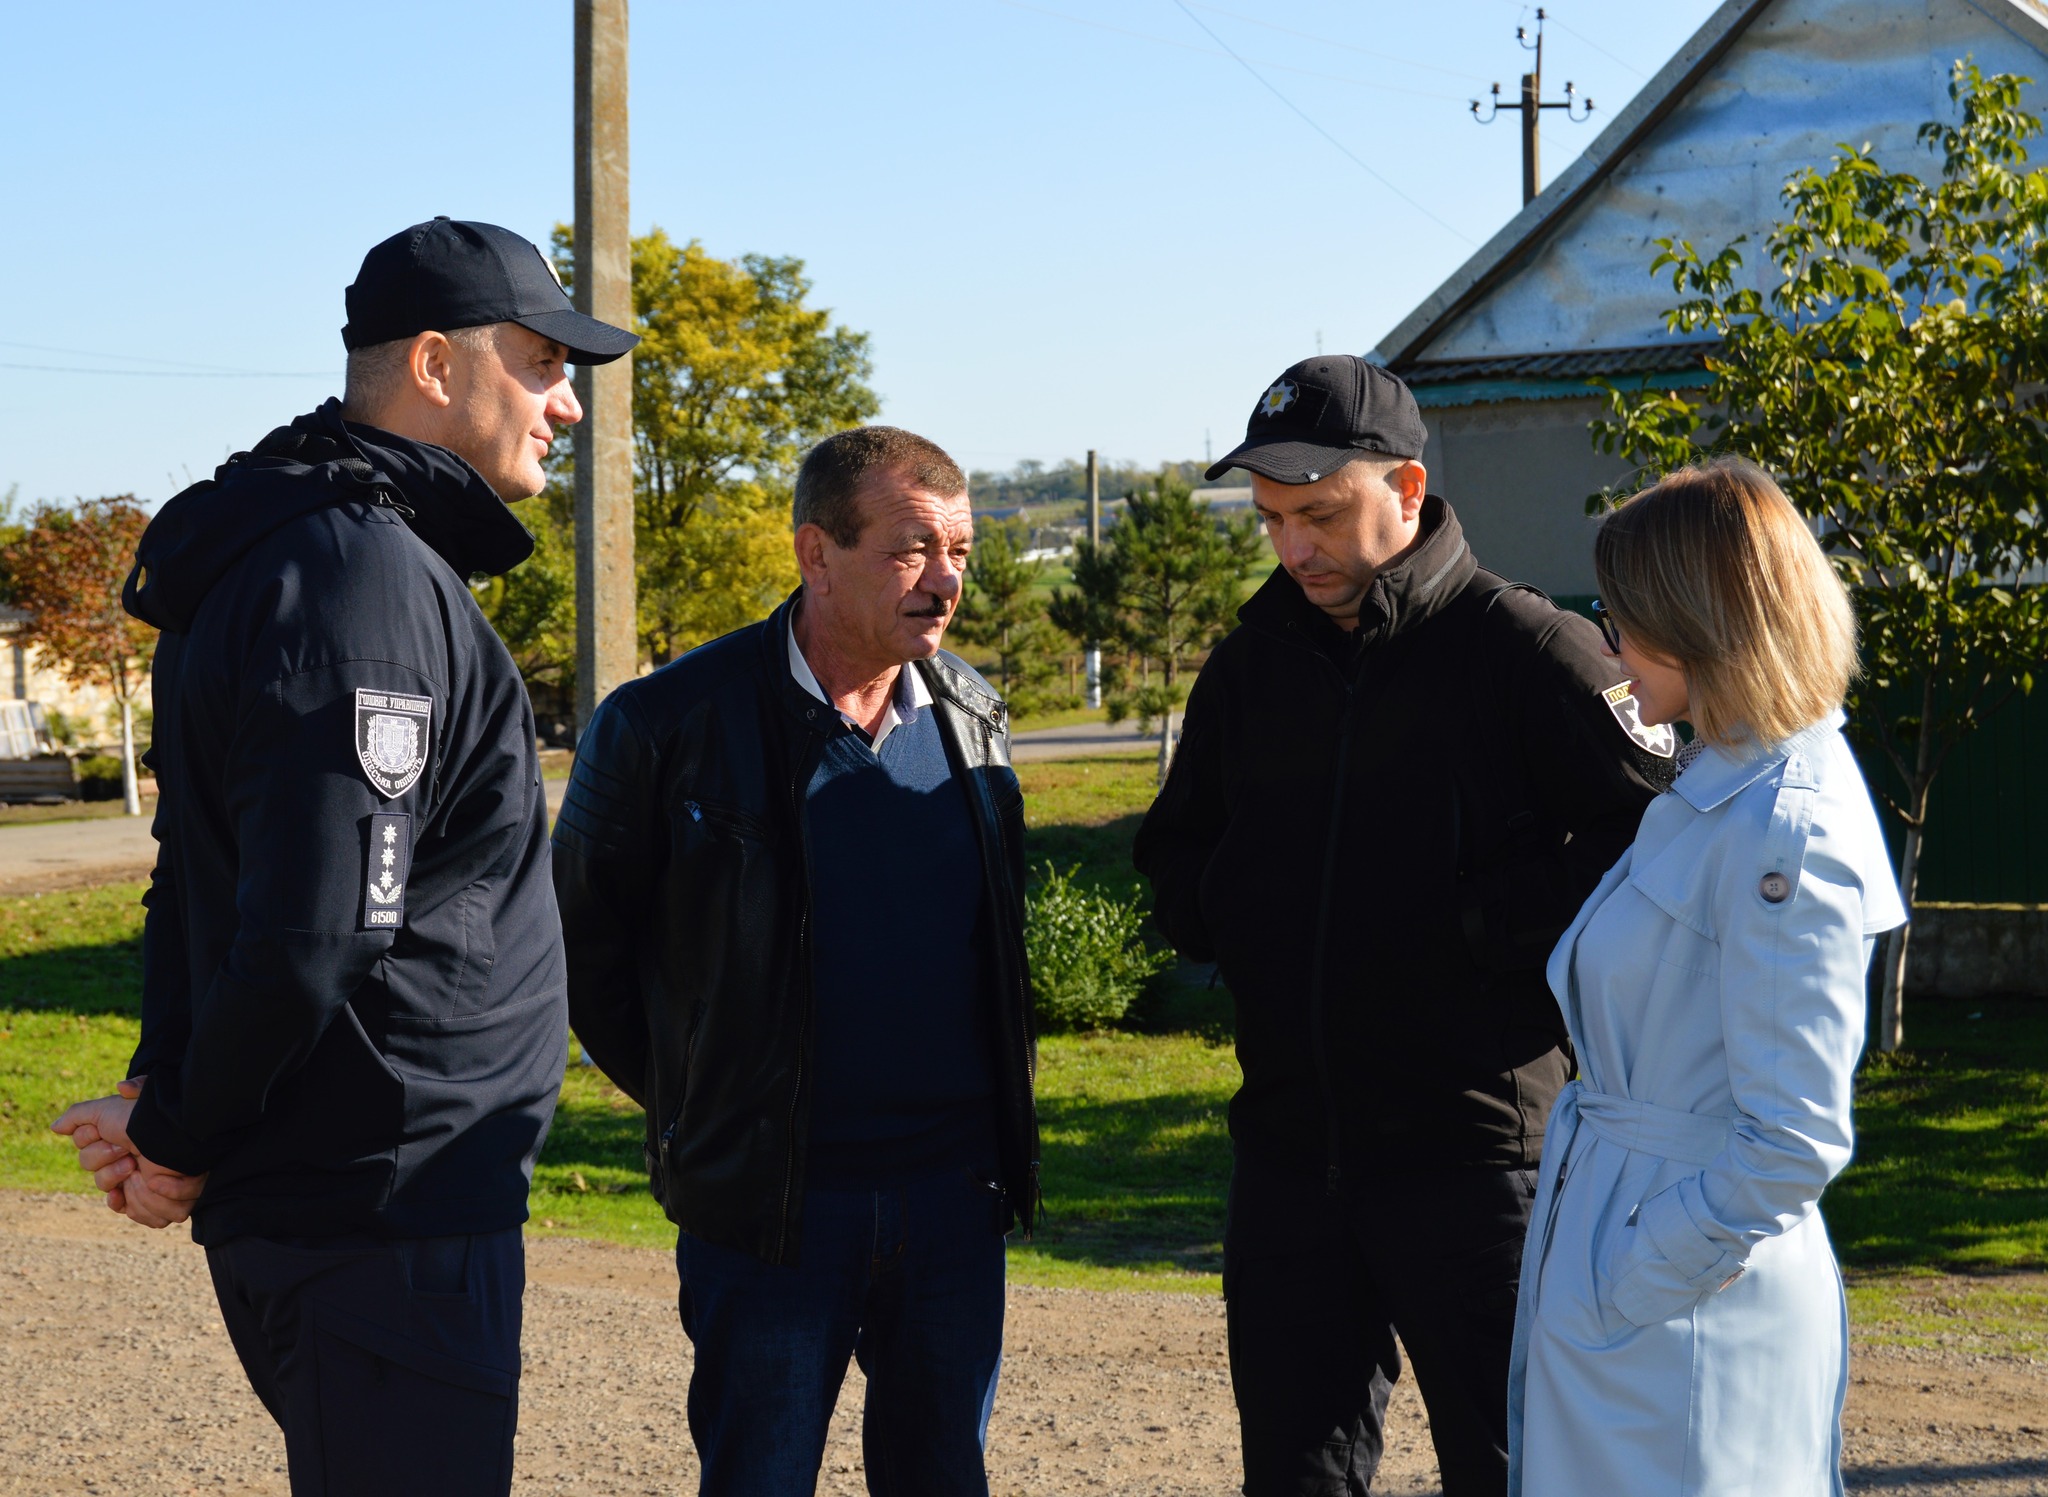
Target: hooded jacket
(1378,837)
(354,1010)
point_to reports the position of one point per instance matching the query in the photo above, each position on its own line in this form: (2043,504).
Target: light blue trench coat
(1681,1331)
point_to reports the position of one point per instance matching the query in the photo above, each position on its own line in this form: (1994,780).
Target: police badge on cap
(391,738)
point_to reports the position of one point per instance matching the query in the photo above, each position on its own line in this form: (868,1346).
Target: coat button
(1774,887)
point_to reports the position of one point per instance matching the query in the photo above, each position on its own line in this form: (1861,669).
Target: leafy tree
(1002,612)
(65,572)
(734,378)
(533,606)
(1160,590)
(1892,379)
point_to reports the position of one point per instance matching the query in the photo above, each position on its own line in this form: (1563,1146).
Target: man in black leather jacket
(1399,778)
(353,990)
(790,868)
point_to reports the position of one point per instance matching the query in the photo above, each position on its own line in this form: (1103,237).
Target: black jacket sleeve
(1592,779)
(166,977)
(300,806)
(608,850)
(1186,823)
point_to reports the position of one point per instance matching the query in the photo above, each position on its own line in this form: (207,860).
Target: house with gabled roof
(1501,355)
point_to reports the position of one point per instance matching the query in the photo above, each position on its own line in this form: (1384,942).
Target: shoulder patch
(1661,740)
(392,738)
(386,868)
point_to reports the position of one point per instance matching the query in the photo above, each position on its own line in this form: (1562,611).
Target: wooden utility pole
(1531,109)
(1093,655)
(607,641)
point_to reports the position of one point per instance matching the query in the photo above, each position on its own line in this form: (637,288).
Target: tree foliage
(1159,591)
(65,572)
(533,606)
(1032,482)
(1002,611)
(735,376)
(1086,952)
(1892,378)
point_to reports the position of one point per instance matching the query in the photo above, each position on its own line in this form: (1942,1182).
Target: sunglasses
(1609,631)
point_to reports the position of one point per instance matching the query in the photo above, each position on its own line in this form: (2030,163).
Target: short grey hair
(828,485)
(377,373)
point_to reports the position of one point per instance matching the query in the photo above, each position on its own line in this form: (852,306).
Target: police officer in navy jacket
(354,1005)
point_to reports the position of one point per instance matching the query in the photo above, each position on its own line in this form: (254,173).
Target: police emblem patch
(1660,740)
(391,738)
(1276,399)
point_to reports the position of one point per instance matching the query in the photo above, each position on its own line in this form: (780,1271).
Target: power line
(1356,160)
(179,373)
(177,365)
(1330,41)
(1572,31)
(1165,41)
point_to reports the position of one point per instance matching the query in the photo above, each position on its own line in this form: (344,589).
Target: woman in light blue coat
(1681,1331)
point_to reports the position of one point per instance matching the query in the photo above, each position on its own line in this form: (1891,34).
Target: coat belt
(1689,1137)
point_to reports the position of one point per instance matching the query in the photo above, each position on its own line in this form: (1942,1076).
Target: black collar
(444,501)
(1414,589)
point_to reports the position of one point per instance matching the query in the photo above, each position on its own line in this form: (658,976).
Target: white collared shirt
(910,697)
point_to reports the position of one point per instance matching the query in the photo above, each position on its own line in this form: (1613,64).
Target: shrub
(99,778)
(1088,959)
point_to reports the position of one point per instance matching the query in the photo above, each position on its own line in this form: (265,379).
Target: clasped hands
(135,1187)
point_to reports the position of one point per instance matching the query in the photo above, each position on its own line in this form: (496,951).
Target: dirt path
(115,1377)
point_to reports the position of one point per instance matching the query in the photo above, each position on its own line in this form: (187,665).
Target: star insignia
(1278,398)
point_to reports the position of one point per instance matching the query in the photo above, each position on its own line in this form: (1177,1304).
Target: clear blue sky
(1065,224)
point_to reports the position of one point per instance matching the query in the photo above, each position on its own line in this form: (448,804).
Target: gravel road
(115,1378)
(43,857)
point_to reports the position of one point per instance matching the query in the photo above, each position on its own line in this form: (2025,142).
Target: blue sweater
(903,1078)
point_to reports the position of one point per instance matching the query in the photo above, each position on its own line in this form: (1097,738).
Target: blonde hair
(1714,569)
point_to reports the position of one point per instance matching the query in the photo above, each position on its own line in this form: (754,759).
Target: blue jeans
(910,1281)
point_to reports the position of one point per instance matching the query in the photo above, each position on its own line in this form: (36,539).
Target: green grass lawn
(1951,1174)
(70,1006)
(72,810)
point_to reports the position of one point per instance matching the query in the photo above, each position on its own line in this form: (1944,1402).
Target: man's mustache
(938,610)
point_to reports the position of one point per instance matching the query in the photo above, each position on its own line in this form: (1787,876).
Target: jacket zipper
(803,956)
(996,872)
(1333,1164)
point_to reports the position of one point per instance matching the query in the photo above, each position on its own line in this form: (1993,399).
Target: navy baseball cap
(448,274)
(1321,414)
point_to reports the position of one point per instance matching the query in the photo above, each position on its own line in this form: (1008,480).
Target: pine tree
(1001,611)
(1159,591)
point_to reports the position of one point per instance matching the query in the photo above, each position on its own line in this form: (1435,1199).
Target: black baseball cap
(1322,413)
(447,274)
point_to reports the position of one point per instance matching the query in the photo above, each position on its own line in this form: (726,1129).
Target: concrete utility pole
(607,641)
(1531,109)
(1092,657)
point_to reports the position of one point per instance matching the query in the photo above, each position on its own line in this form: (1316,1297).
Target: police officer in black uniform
(1399,777)
(354,1011)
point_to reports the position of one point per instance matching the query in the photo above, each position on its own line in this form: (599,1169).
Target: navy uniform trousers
(1316,1289)
(391,1366)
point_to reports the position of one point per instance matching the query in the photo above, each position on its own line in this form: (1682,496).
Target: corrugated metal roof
(1581,364)
(1763,88)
